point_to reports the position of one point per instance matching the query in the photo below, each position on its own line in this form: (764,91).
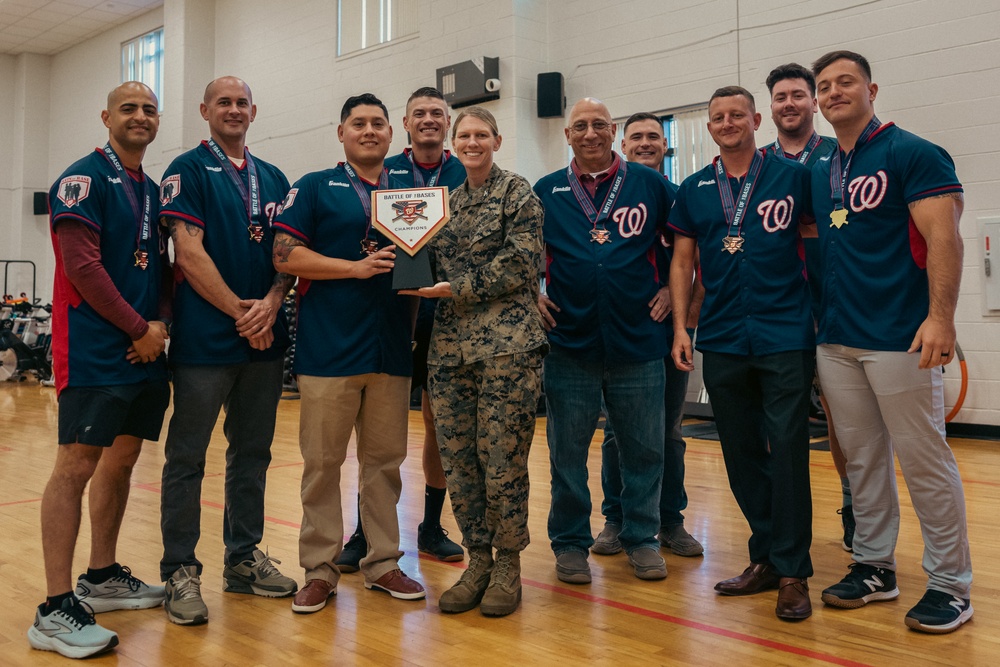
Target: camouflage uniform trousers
(484,414)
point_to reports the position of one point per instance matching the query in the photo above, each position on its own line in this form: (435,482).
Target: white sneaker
(122,591)
(70,631)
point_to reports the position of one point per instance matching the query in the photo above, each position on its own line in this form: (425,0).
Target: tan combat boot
(504,592)
(469,589)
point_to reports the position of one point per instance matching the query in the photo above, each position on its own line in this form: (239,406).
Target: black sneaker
(434,541)
(847,519)
(355,549)
(939,612)
(863,584)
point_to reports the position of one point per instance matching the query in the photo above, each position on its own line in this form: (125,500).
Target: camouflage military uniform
(485,356)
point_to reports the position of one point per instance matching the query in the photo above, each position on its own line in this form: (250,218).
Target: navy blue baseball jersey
(814,266)
(875,290)
(196,189)
(602,275)
(88,350)
(757,298)
(347,326)
(405,173)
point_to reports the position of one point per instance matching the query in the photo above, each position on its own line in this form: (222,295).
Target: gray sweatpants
(881,403)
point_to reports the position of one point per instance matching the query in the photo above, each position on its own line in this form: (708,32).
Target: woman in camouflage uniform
(485,363)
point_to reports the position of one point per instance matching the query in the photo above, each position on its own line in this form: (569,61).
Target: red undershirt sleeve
(81,257)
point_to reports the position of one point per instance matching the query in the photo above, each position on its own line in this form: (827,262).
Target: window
(689,145)
(365,23)
(142,60)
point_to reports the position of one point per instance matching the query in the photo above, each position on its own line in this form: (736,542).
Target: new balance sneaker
(350,557)
(434,540)
(863,584)
(122,591)
(182,598)
(258,577)
(847,520)
(939,612)
(70,631)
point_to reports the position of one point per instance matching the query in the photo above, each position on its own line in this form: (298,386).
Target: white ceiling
(49,26)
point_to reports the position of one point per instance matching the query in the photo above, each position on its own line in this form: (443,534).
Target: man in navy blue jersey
(603,217)
(352,357)
(643,143)
(424,164)
(755,333)
(888,205)
(109,324)
(793,110)
(227,349)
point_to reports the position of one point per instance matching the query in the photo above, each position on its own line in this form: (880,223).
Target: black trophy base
(412,272)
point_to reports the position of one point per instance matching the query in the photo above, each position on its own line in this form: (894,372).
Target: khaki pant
(374,404)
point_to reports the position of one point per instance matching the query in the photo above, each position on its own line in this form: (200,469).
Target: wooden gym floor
(616,620)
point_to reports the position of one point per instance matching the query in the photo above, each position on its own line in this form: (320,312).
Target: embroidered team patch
(73,190)
(289,199)
(170,188)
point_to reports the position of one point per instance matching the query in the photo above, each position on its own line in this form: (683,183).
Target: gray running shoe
(258,577)
(122,591)
(183,597)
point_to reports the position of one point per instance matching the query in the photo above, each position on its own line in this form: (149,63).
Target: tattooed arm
(936,218)
(198,268)
(291,256)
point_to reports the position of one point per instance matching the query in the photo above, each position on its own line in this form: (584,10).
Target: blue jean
(249,393)
(633,393)
(673,497)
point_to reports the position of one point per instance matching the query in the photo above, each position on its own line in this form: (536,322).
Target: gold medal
(256,232)
(732,244)
(141,259)
(602,236)
(838,217)
(369,246)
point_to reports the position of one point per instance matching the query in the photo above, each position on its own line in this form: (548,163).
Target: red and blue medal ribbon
(251,195)
(140,212)
(736,210)
(597,218)
(418,176)
(838,174)
(806,152)
(369,243)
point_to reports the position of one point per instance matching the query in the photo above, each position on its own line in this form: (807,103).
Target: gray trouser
(883,403)
(249,392)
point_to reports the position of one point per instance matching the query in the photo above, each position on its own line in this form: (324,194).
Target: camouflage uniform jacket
(490,252)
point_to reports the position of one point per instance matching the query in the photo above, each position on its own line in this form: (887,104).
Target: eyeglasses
(598,126)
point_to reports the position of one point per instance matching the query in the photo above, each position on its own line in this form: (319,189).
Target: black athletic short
(422,338)
(97,415)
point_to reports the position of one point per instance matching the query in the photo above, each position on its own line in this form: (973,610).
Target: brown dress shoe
(313,596)
(793,599)
(756,578)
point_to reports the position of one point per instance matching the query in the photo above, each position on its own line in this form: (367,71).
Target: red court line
(684,622)
(21,502)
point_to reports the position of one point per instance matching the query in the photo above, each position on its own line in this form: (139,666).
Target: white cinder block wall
(937,65)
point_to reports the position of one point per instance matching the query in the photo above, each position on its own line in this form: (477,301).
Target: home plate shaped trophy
(410,218)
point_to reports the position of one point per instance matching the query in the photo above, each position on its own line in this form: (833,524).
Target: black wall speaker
(551,96)
(41,202)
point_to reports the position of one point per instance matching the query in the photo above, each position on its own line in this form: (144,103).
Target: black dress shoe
(756,578)
(793,599)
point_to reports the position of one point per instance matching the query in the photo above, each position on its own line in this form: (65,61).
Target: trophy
(410,218)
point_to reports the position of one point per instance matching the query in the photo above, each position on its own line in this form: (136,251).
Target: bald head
(211,90)
(591,134)
(128,89)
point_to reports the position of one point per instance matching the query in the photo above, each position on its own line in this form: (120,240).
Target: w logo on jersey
(776,213)
(867,192)
(73,190)
(170,187)
(630,220)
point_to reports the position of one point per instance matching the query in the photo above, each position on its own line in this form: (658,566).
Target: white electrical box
(989,243)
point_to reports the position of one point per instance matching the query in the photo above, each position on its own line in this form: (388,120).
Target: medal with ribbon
(806,152)
(141,212)
(251,195)
(735,210)
(369,243)
(599,233)
(838,175)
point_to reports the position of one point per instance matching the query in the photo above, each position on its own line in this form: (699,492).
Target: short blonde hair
(476,112)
